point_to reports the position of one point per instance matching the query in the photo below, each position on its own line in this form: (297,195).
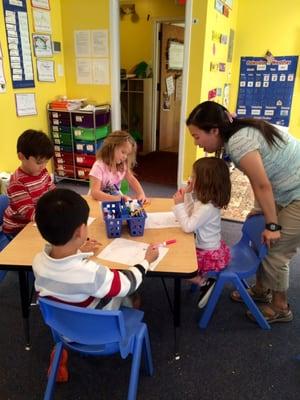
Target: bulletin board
(266,88)
(18,43)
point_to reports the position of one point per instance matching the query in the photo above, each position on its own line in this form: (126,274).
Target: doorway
(159,164)
(116,88)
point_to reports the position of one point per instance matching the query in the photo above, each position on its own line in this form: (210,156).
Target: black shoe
(205,292)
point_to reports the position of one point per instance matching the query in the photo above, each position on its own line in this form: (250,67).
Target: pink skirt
(213,260)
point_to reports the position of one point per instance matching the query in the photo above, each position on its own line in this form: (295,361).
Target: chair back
(3,205)
(3,238)
(83,325)
(252,231)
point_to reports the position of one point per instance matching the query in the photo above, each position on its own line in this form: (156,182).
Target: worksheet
(158,220)
(129,252)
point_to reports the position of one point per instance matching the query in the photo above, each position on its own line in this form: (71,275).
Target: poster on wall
(44,4)
(25,104)
(42,45)
(17,33)
(266,88)
(41,21)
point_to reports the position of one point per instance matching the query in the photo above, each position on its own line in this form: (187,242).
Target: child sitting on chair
(29,182)
(115,160)
(64,271)
(211,186)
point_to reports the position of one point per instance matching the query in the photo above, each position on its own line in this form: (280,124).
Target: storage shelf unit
(77,135)
(136,106)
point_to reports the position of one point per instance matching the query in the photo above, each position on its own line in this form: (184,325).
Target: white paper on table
(129,252)
(158,220)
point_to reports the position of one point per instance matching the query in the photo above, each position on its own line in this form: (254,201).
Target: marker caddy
(116,212)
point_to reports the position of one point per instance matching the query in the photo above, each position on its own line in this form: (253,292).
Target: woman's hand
(179,196)
(270,237)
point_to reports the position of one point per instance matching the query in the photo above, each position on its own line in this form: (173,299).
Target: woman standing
(271,160)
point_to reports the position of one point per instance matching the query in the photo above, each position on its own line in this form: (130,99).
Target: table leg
(25,304)
(176,315)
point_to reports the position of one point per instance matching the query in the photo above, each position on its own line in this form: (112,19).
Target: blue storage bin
(115,212)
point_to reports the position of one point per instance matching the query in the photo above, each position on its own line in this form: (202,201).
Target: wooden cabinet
(136,111)
(77,135)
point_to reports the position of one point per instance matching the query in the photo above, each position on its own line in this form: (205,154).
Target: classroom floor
(233,359)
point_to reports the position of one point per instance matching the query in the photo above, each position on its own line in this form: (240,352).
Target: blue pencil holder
(115,213)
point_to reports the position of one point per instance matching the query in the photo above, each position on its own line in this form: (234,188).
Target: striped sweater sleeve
(20,201)
(114,283)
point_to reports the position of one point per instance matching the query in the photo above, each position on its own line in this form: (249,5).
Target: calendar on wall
(18,43)
(266,88)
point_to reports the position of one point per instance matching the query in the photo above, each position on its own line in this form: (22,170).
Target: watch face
(272,227)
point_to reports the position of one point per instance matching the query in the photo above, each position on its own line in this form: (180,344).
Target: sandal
(276,315)
(263,297)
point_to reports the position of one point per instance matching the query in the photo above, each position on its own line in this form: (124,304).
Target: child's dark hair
(59,213)
(36,144)
(212,181)
(209,115)
(114,139)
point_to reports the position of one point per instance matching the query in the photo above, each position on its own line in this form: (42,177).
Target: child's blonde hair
(113,140)
(212,181)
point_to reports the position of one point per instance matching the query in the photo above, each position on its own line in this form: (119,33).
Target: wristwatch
(273,227)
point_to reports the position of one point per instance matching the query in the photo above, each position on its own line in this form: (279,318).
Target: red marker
(165,243)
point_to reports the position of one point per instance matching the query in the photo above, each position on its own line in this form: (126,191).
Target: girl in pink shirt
(115,160)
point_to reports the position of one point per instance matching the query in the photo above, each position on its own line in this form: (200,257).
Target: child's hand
(189,187)
(91,245)
(151,253)
(179,196)
(142,198)
(126,198)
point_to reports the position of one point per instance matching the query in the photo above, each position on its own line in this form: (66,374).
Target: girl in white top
(198,209)
(115,160)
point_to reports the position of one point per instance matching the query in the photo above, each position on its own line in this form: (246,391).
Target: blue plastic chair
(99,333)
(246,255)
(3,238)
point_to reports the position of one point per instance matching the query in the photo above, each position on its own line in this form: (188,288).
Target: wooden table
(179,262)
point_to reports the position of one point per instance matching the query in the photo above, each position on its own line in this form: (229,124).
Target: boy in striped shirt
(29,182)
(64,271)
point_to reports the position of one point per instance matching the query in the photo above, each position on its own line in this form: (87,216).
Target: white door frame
(115,76)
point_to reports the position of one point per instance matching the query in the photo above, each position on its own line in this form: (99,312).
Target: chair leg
(147,354)
(211,304)
(135,365)
(245,283)
(251,305)
(52,376)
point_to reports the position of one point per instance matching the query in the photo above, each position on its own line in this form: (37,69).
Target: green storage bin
(62,138)
(90,133)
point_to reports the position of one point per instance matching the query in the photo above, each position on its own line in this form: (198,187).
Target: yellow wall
(259,26)
(136,38)
(12,126)
(269,25)
(201,78)
(83,15)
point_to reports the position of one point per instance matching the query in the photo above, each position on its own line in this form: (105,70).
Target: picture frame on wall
(44,4)
(228,3)
(45,70)
(42,45)
(25,104)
